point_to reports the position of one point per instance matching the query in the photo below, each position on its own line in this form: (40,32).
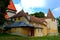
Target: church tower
(51,24)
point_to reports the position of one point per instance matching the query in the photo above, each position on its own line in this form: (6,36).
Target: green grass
(15,37)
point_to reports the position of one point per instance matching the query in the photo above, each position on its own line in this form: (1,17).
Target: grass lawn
(14,37)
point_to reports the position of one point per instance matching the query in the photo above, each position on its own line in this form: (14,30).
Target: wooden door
(32,32)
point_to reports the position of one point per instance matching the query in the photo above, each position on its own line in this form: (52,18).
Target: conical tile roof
(11,6)
(50,15)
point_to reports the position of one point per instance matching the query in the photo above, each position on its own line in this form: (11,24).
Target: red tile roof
(21,13)
(37,20)
(32,18)
(6,16)
(50,15)
(11,6)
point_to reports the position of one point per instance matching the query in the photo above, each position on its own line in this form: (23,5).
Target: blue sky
(32,6)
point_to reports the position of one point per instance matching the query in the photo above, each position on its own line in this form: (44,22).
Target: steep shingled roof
(11,6)
(50,15)
(32,18)
(37,20)
(19,24)
(20,13)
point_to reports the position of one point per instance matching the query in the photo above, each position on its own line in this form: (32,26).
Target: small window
(11,19)
(28,17)
(39,30)
(14,19)
(18,18)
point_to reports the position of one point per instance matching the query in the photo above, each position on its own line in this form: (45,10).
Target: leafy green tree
(3,7)
(38,14)
(58,24)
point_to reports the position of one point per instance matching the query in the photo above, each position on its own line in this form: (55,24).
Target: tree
(3,8)
(58,19)
(38,14)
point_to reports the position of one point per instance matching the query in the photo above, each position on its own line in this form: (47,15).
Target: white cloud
(32,3)
(18,7)
(28,10)
(27,4)
(57,9)
(56,12)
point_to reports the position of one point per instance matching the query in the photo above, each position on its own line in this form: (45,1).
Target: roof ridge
(20,13)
